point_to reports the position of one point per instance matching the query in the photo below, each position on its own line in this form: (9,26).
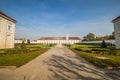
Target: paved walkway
(58,63)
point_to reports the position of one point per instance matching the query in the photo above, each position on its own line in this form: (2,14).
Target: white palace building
(7,31)
(59,40)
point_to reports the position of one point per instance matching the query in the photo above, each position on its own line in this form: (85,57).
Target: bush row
(23,48)
(98,62)
(101,51)
(18,50)
(108,44)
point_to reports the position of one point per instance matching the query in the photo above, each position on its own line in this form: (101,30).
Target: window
(0,27)
(0,24)
(9,27)
(119,26)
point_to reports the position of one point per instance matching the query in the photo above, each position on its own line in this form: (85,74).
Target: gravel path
(58,63)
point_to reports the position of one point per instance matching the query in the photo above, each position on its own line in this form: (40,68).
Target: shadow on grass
(63,68)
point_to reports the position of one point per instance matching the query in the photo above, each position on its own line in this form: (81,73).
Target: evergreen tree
(104,45)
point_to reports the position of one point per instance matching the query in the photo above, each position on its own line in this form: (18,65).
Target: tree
(112,36)
(22,44)
(104,45)
(22,47)
(85,38)
(107,37)
(89,37)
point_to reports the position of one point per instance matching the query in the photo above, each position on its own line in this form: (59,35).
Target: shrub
(11,51)
(118,53)
(89,51)
(23,48)
(104,45)
(98,62)
(97,44)
(100,50)
(78,49)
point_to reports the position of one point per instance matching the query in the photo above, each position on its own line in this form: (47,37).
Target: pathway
(58,63)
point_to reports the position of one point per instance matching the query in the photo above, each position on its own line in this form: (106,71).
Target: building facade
(58,40)
(7,31)
(116,23)
(19,41)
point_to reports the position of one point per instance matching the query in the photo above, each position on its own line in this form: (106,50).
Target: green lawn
(20,59)
(19,56)
(92,52)
(35,46)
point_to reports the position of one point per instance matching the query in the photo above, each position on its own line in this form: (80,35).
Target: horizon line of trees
(93,37)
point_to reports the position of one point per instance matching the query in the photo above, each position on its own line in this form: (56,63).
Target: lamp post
(67,39)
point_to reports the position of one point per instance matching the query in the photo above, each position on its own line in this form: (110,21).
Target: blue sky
(37,18)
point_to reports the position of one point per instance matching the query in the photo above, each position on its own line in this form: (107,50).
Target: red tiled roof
(116,19)
(58,38)
(6,17)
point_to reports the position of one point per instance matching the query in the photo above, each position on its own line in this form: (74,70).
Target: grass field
(12,57)
(101,57)
(19,59)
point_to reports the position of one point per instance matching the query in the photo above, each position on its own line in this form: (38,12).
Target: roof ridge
(58,38)
(2,14)
(116,19)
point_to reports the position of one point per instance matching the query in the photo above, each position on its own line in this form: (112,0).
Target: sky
(38,18)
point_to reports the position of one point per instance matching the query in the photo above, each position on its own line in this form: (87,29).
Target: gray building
(116,23)
(7,31)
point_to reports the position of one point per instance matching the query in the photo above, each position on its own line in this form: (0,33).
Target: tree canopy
(91,37)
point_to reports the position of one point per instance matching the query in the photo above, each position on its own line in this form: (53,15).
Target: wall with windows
(7,30)
(117,34)
(58,41)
